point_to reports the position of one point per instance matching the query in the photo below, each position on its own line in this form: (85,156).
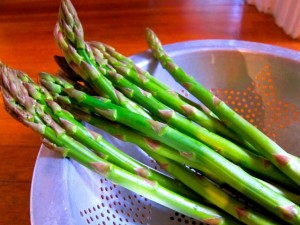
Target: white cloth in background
(286,14)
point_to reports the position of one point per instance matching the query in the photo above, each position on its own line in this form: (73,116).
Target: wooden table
(26,43)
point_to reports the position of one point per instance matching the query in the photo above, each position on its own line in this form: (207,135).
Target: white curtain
(286,14)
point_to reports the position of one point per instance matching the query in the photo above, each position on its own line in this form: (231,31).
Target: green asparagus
(156,150)
(92,140)
(230,150)
(69,37)
(28,111)
(224,147)
(224,169)
(268,148)
(163,93)
(149,145)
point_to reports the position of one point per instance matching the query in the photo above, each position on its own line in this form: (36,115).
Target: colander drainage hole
(183,219)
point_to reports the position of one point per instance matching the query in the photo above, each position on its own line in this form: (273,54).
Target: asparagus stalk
(127,134)
(92,140)
(294,197)
(212,193)
(268,148)
(117,157)
(147,82)
(149,145)
(68,10)
(69,37)
(230,150)
(124,63)
(31,115)
(201,185)
(228,172)
(223,146)
(162,92)
(196,112)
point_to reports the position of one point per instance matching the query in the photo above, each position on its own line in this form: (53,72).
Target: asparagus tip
(78,95)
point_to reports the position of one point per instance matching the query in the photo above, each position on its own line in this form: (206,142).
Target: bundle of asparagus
(202,149)
(33,106)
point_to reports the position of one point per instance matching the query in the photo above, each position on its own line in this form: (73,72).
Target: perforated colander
(260,82)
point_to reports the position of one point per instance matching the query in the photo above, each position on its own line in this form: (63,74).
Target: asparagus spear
(228,172)
(162,92)
(224,147)
(117,157)
(147,82)
(158,151)
(268,148)
(230,150)
(27,111)
(196,112)
(69,37)
(202,186)
(129,135)
(77,37)
(92,140)
(213,193)
(124,63)
(149,145)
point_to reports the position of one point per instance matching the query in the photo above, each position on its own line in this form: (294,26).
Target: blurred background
(122,24)
(26,43)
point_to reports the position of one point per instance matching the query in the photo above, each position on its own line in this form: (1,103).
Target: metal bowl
(261,82)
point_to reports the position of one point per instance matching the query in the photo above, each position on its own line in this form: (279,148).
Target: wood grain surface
(26,43)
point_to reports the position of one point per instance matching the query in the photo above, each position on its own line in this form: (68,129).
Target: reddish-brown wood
(26,43)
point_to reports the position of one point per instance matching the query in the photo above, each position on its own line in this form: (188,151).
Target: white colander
(261,82)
